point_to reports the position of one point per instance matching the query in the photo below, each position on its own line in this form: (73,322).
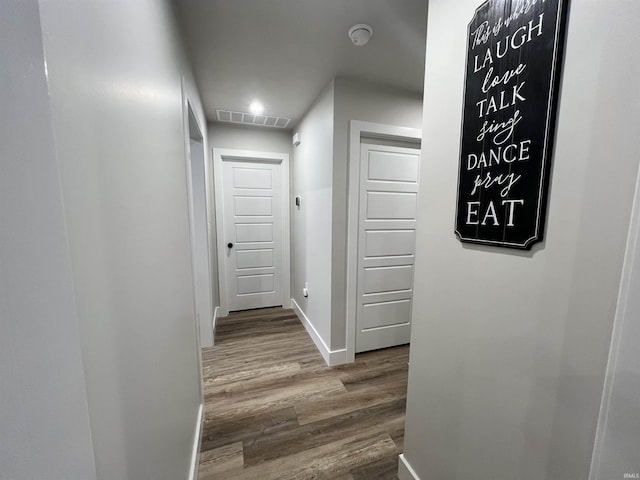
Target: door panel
(386,245)
(252,178)
(381,243)
(385,313)
(392,167)
(254,232)
(387,279)
(252,206)
(252,284)
(254,258)
(253,225)
(391,205)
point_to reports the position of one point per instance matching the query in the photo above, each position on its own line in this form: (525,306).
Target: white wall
(509,348)
(249,138)
(616,448)
(355,100)
(44,418)
(115,84)
(311,224)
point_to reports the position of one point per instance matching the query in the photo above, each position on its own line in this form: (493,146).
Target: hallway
(274,410)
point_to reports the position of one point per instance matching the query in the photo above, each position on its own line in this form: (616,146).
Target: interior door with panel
(253,234)
(386,245)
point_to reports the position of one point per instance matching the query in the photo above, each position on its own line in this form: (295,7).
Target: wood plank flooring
(274,410)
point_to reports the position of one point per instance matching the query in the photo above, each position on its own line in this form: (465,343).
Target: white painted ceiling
(284,52)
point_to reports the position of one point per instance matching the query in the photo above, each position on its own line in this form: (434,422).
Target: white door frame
(357,130)
(221,154)
(186,108)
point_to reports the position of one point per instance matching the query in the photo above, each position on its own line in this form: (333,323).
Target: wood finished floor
(274,410)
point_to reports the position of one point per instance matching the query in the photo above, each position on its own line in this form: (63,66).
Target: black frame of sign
(512,77)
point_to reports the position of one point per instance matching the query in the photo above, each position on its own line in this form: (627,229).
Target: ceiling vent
(246,118)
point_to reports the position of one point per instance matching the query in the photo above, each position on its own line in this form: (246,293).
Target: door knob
(230,245)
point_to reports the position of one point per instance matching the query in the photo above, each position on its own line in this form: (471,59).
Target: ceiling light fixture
(256,107)
(360,34)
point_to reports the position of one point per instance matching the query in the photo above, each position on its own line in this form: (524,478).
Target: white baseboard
(331,357)
(195,453)
(405,471)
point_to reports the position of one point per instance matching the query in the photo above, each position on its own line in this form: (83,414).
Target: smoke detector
(360,34)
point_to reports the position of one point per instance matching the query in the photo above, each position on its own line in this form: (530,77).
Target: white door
(252,234)
(386,245)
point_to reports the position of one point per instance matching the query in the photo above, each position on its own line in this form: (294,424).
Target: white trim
(186,106)
(195,451)
(623,314)
(200,290)
(358,129)
(405,470)
(220,154)
(209,194)
(214,319)
(331,357)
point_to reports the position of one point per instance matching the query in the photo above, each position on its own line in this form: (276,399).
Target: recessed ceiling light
(256,107)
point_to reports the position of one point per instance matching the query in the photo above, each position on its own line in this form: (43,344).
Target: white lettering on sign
(491,215)
(514,53)
(515,152)
(487,180)
(501,131)
(501,101)
(491,80)
(481,35)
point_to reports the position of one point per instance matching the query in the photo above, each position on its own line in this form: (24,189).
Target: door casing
(227,154)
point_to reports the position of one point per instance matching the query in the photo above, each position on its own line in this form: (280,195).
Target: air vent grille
(251,119)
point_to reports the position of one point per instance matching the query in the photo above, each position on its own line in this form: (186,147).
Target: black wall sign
(513,62)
